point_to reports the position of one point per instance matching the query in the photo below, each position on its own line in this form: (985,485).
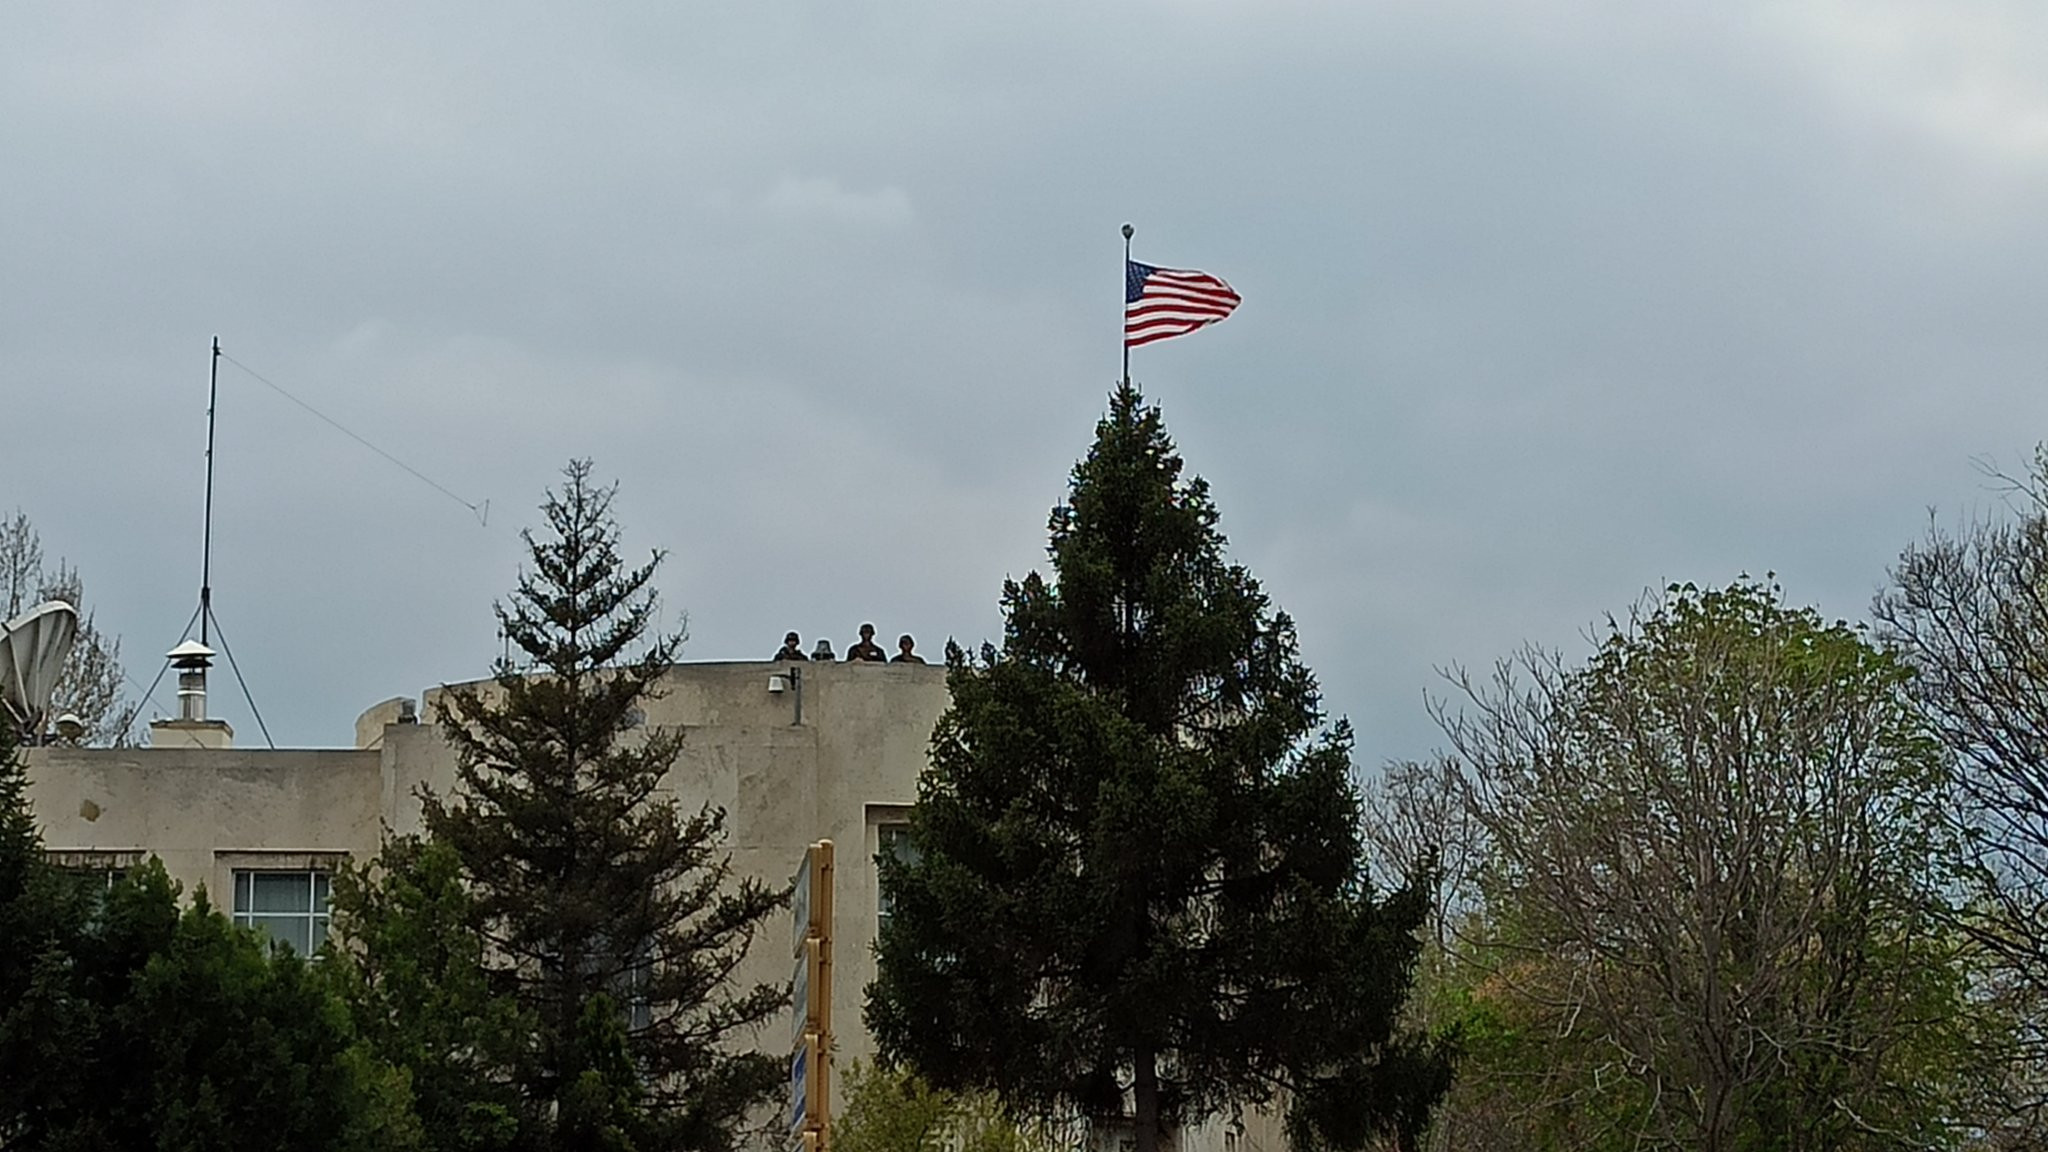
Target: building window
(630,987)
(96,871)
(290,907)
(97,881)
(633,986)
(893,840)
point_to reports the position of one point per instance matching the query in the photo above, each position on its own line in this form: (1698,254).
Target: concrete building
(260,828)
(794,753)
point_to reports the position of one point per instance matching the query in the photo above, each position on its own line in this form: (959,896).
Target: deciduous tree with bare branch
(90,686)
(1968,608)
(1716,888)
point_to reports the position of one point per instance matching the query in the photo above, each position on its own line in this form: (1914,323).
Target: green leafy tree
(1714,900)
(37,917)
(179,1031)
(125,1023)
(82,1079)
(891,1109)
(610,916)
(1968,608)
(25,918)
(410,964)
(1138,886)
(240,1046)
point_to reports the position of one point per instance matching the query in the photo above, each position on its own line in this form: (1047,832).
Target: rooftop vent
(191,729)
(191,659)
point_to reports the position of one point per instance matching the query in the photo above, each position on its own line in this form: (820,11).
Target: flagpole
(1127,303)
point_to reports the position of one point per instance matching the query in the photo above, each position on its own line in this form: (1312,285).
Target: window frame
(892,827)
(317,918)
(100,868)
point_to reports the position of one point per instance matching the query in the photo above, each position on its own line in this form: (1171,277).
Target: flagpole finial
(1128,230)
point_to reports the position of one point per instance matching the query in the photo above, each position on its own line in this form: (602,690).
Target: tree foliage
(36,918)
(1138,873)
(1969,610)
(90,683)
(891,1109)
(609,916)
(141,1026)
(411,968)
(1715,888)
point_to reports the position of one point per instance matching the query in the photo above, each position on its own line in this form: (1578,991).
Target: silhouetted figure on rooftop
(792,648)
(904,655)
(867,649)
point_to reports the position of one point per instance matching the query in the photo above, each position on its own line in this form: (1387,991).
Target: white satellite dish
(33,648)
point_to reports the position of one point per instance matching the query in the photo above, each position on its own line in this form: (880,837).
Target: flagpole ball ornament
(1129,231)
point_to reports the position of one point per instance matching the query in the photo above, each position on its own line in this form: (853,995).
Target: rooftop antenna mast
(191,659)
(206,556)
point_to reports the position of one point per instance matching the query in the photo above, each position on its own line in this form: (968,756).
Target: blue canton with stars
(1134,279)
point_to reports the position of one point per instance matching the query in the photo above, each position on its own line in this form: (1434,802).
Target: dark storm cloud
(1544,304)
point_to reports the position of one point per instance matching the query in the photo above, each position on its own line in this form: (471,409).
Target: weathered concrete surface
(206,812)
(851,765)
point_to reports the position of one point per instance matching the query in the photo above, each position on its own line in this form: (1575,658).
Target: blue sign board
(799,1088)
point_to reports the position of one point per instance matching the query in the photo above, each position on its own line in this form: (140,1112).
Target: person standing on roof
(867,650)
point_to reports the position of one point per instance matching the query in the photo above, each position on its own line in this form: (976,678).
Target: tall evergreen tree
(1138,880)
(148,1027)
(125,1023)
(410,965)
(21,858)
(37,920)
(612,916)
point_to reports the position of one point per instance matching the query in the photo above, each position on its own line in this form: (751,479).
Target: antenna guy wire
(482,512)
(149,693)
(236,669)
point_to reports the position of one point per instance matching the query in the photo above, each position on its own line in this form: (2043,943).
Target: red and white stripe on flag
(1160,303)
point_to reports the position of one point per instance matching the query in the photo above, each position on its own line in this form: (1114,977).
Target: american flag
(1164,302)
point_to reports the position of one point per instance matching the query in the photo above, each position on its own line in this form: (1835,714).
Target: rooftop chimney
(191,729)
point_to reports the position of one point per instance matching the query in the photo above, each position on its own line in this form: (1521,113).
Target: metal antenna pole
(206,557)
(1127,303)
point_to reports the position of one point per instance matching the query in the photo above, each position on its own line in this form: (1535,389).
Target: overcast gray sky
(1544,304)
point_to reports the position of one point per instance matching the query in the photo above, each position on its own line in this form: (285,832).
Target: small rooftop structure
(191,729)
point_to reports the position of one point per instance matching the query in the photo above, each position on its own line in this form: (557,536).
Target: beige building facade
(793,753)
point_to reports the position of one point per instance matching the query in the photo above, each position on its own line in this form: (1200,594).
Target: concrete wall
(851,763)
(206,812)
(851,766)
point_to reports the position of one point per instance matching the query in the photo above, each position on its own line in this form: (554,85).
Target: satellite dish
(33,648)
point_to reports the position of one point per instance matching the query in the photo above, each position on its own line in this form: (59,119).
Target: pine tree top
(1143,601)
(612,915)
(1137,872)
